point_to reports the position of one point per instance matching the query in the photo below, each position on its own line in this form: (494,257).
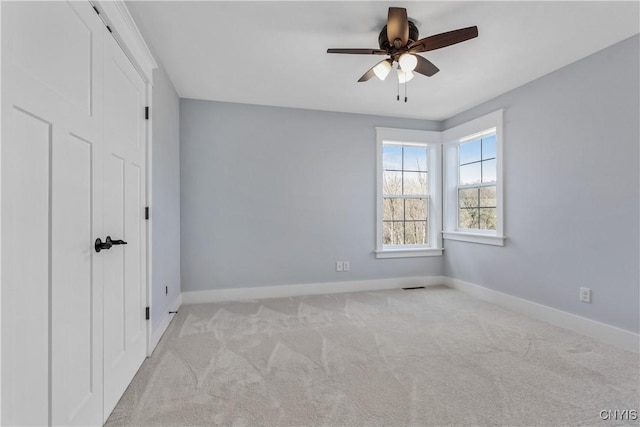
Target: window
(473,181)
(477,182)
(409,183)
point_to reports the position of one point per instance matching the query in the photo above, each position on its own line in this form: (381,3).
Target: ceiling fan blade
(397,26)
(425,67)
(444,39)
(368,75)
(359,51)
(371,73)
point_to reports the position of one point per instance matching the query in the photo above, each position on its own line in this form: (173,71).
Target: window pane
(415,158)
(393,209)
(489,171)
(468,218)
(489,147)
(470,174)
(415,183)
(469,152)
(415,209)
(488,218)
(392,182)
(393,233)
(488,197)
(468,198)
(416,233)
(392,157)
(405,173)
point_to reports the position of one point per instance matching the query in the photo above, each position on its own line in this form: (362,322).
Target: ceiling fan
(399,40)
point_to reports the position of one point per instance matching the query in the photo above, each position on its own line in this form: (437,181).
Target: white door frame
(116,15)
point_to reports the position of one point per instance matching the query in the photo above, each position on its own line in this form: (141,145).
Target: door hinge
(96,9)
(146,113)
(146,213)
(146,313)
(109,28)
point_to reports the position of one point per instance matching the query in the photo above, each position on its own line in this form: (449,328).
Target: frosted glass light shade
(407,62)
(404,77)
(382,69)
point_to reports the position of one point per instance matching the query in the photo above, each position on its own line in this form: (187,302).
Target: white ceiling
(274,53)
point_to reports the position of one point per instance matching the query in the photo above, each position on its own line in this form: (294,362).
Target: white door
(73,170)
(124,175)
(51,211)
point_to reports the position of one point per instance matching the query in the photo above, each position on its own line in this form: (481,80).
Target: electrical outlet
(339,266)
(585,295)
(345,266)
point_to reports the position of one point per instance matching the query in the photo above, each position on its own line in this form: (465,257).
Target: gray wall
(274,196)
(571,161)
(165,208)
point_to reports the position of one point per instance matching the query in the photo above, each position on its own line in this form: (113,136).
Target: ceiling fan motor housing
(383,41)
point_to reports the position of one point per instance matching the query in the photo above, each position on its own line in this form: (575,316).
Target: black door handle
(100,245)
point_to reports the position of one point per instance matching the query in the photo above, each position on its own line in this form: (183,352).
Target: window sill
(408,253)
(484,239)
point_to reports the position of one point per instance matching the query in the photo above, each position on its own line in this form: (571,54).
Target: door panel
(135,296)
(76,308)
(25,269)
(62,37)
(123,102)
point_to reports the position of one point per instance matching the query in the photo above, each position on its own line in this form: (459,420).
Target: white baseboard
(622,338)
(239,294)
(164,324)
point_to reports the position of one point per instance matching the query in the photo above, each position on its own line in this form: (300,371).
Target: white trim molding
(599,331)
(283,291)
(486,239)
(115,14)
(407,253)
(163,325)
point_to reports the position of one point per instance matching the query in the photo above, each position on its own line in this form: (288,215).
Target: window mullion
(404,221)
(485,184)
(479,225)
(402,173)
(403,196)
(481,171)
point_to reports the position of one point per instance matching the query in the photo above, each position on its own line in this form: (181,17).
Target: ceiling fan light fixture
(382,69)
(408,62)
(404,76)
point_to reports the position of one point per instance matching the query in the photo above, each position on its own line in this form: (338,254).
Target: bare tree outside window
(405,194)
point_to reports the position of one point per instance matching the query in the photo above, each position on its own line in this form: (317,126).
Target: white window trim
(434,146)
(451,139)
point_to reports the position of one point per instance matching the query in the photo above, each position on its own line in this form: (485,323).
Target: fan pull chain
(398,86)
(405,91)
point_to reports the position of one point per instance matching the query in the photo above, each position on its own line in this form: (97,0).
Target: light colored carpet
(422,357)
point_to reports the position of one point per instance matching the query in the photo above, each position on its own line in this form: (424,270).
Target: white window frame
(433,142)
(451,141)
